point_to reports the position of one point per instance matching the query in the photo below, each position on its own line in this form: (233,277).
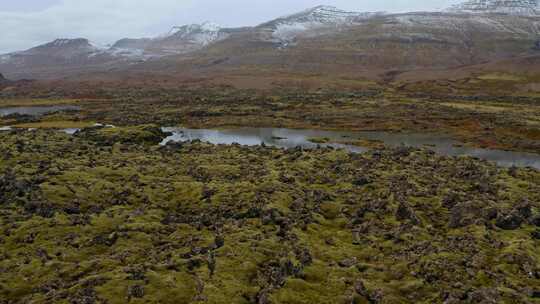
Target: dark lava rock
(252,212)
(361,181)
(524,210)
(194,263)
(304,256)
(144,134)
(84,296)
(485,295)
(361,289)
(451,199)
(219,241)
(509,222)
(536,221)
(107,240)
(371,297)
(39,208)
(490,213)
(469,213)
(405,212)
(136,273)
(136,291)
(173,146)
(346,263)
(402,152)
(11,187)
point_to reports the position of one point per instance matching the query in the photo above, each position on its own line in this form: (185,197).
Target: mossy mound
(144,134)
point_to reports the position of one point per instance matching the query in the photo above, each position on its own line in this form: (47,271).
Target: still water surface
(291,138)
(36,111)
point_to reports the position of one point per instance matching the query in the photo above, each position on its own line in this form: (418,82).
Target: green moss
(319,140)
(144,134)
(221,223)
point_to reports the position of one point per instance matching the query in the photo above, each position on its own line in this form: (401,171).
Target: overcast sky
(27,23)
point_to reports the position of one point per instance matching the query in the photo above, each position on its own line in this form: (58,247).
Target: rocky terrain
(97,219)
(95,208)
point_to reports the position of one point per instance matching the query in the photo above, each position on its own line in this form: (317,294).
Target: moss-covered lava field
(94,218)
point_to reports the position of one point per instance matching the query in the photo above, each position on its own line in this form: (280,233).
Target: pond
(36,111)
(291,138)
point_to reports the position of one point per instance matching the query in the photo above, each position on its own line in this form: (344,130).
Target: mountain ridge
(315,40)
(513,7)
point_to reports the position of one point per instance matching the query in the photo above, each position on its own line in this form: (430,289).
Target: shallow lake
(291,138)
(36,111)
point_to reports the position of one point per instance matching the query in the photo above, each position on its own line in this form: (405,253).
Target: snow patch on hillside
(288,32)
(202,34)
(5,58)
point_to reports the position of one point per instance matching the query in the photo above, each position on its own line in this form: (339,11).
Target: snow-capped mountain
(320,14)
(475,31)
(65,48)
(312,22)
(80,54)
(203,34)
(188,38)
(59,51)
(179,40)
(512,7)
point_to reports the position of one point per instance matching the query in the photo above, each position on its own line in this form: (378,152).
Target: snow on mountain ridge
(519,27)
(511,7)
(320,14)
(179,40)
(289,30)
(312,22)
(68,43)
(203,34)
(184,30)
